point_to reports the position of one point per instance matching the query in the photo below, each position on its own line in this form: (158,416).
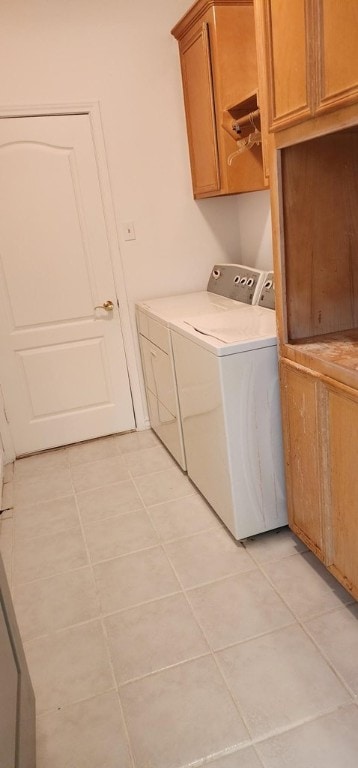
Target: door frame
(93,111)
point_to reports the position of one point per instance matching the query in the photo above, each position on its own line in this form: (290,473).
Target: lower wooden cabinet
(342,554)
(320,422)
(302,455)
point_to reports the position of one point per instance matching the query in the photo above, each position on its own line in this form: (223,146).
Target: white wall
(121,53)
(255,238)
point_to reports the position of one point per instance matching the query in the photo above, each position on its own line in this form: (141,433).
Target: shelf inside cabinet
(333,354)
(239,119)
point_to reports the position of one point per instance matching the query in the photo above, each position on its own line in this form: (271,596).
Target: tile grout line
(301,623)
(237,707)
(105,638)
(261,568)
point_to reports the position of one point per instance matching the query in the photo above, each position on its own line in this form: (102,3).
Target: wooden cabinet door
(337,54)
(288,58)
(301,431)
(343,430)
(200,112)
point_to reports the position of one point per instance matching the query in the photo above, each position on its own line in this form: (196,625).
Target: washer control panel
(236,281)
(267,296)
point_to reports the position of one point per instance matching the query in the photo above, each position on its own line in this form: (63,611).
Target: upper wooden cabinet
(311,57)
(219,72)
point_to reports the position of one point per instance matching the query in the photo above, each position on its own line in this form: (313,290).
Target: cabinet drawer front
(167,428)
(158,373)
(154,331)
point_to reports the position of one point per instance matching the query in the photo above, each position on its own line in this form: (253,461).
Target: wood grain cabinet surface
(309,64)
(219,75)
(321,438)
(301,416)
(311,55)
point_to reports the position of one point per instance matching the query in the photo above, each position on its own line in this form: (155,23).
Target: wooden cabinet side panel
(343,421)
(338,54)
(199,110)
(302,455)
(289,55)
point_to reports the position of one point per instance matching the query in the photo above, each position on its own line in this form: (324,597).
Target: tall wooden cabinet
(310,67)
(312,59)
(219,74)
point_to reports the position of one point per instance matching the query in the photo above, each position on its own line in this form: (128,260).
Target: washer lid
(237,330)
(169,308)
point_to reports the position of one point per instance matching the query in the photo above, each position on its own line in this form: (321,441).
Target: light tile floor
(154,640)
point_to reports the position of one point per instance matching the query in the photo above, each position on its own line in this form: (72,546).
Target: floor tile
(120,535)
(46,517)
(208,556)
(163,486)
(244,758)
(328,742)
(237,608)
(134,579)
(40,463)
(337,635)
(95,474)
(182,517)
(46,605)
(136,441)
(153,636)
(50,484)
(108,501)
(92,450)
(147,460)
(306,585)
(89,734)
(296,681)
(180,715)
(48,555)
(68,666)
(274,545)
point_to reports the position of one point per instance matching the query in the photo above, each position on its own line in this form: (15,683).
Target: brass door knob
(107,305)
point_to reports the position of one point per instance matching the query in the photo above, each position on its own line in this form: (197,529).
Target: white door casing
(63,366)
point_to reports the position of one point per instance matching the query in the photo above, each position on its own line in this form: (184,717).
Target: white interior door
(63,366)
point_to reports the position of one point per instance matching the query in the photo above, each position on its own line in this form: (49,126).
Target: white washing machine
(228,284)
(227,382)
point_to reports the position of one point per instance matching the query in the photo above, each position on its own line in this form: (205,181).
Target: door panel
(289,83)
(200,114)
(302,432)
(65,377)
(343,422)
